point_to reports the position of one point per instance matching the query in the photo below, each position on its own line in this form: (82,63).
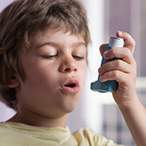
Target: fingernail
(120,33)
(100,70)
(105,54)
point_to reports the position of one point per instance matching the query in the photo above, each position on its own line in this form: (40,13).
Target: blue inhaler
(108,86)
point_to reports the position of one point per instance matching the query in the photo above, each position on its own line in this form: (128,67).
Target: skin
(54,58)
(124,72)
(39,97)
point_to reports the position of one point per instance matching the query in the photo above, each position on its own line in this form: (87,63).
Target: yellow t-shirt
(16,134)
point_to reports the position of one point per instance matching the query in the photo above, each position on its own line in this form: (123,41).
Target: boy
(43,59)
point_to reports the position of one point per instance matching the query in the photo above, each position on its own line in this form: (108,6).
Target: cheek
(83,71)
(40,78)
(45,78)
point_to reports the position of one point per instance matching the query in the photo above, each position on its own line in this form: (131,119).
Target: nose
(68,65)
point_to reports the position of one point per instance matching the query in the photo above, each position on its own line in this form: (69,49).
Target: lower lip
(70,90)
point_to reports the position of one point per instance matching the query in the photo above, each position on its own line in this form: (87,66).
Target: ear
(13,83)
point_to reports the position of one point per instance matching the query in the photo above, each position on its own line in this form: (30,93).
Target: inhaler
(111,85)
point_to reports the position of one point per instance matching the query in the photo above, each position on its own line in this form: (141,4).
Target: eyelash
(53,56)
(48,57)
(78,57)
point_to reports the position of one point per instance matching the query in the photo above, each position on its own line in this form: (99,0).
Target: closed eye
(48,56)
(78,57)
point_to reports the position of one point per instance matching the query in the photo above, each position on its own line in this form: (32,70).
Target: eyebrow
(47,43)
(56,45)
(78,44)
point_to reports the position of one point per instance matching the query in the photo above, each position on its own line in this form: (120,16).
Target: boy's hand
(123,70)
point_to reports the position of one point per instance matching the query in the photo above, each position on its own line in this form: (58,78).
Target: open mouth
(71,85)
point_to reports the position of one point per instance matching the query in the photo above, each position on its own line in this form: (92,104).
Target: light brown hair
(21,20)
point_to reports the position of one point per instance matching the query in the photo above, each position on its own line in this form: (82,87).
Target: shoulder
(85,136)
(5,134)
(4,129)
(8,135)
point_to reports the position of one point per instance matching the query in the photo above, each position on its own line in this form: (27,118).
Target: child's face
(55,69)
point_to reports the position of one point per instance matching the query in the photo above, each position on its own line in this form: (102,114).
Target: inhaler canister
(108,86)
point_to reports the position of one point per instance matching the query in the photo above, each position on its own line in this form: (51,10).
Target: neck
(38,120)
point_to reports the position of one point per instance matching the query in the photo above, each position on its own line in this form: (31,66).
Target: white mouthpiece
(116,42)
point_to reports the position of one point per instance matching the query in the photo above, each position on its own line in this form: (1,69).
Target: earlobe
(13,83)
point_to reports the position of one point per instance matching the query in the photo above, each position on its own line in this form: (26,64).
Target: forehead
(56,36)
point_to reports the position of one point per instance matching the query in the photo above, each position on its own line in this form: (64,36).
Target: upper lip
(71,82)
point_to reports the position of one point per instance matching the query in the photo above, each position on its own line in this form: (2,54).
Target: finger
(129,41)
(102,49)
(119,76)
(119,65)
(122,53)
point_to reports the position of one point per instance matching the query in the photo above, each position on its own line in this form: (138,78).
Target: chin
(70,107)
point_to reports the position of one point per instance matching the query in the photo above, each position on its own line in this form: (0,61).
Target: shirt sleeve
(86,137)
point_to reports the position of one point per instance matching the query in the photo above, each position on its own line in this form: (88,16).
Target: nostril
(67,69)
(75,69)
